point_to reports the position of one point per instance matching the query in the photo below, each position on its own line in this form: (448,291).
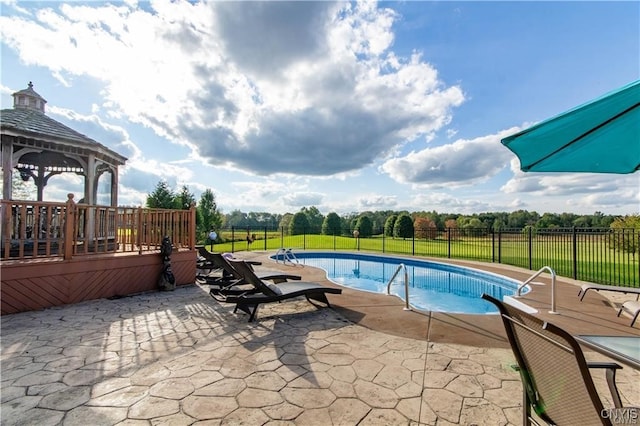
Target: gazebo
(92,250)
(39,147)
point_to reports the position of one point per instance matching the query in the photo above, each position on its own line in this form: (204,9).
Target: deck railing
(32,229)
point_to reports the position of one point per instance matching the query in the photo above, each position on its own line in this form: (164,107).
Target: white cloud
(463,162)
(377,202)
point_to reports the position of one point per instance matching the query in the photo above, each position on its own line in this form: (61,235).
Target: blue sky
(344,106)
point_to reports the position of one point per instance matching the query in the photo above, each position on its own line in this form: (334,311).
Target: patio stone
(153,407)
(284,411)
(379,416)
(417,411)
(95,416)
(34,417)
(172,388)
(66,399)
(121,398)
(309,398)
(466,386)
(208,407)
(348,411)
(256,398)
(375,395)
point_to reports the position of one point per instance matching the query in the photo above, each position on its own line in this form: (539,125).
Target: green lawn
(595,262)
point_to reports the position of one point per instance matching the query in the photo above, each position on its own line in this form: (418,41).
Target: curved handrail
(406,285)
(287,255)
(553,286)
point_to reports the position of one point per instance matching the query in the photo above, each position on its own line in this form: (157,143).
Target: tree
(388,225)
(451,224)
(403,228)
(331,224)
(299,224)
(626,236)
(210,217)
(162,197)
(185,198)
(314,218)
(364,226)
(425,228)
(285,223)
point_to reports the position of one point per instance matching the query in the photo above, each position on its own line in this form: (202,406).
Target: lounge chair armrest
(602,364)
(611,368)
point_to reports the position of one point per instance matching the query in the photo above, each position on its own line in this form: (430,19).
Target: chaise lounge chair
(631,307)
(603,287)
(250,301)
(555,376)
(230,277)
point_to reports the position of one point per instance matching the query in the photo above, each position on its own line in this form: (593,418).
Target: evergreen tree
(364,226)
(389,224)
(299,224)
(185,198)
(331,224)
(210,219)
(403,228)
(162,197)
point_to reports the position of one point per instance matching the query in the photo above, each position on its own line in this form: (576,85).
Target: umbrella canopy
(601,136)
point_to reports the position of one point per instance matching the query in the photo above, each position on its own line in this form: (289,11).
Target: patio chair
(631,307)
(604,287)
(230,277)
(555,375)
(250,301)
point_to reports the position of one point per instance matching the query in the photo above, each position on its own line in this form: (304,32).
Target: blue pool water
(433,286)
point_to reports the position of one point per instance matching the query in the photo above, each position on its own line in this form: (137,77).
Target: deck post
(71,211)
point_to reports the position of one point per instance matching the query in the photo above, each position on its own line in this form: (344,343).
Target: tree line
(421,224)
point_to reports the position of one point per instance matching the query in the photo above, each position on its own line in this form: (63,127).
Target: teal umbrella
(601,136)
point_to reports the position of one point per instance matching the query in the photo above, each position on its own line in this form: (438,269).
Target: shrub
(403,228)
(364,226)
(331,224)
(389,224)
(425,228)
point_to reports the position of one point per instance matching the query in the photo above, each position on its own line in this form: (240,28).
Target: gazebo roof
(33,124)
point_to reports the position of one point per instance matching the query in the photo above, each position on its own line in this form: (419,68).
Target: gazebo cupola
(39,147)
(29,99)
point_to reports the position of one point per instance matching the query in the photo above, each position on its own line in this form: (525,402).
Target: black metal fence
(599,255)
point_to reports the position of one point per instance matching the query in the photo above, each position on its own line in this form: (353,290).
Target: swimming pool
(433,286)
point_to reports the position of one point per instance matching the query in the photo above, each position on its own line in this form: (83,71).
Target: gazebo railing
(33,230)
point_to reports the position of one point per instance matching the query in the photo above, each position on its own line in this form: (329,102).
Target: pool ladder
(401,267)
(287,256)
(553,286)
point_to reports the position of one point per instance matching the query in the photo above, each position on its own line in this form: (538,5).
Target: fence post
(69,227)
(233,239)
(265,238)
(383,241)
(413,243)
(192,226)
(449,243)
(282,237)
(575,253)
(493,246)
(499,245)
(530,247)
(139,229)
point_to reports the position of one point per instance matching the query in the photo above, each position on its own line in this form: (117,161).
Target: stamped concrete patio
(181,358)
